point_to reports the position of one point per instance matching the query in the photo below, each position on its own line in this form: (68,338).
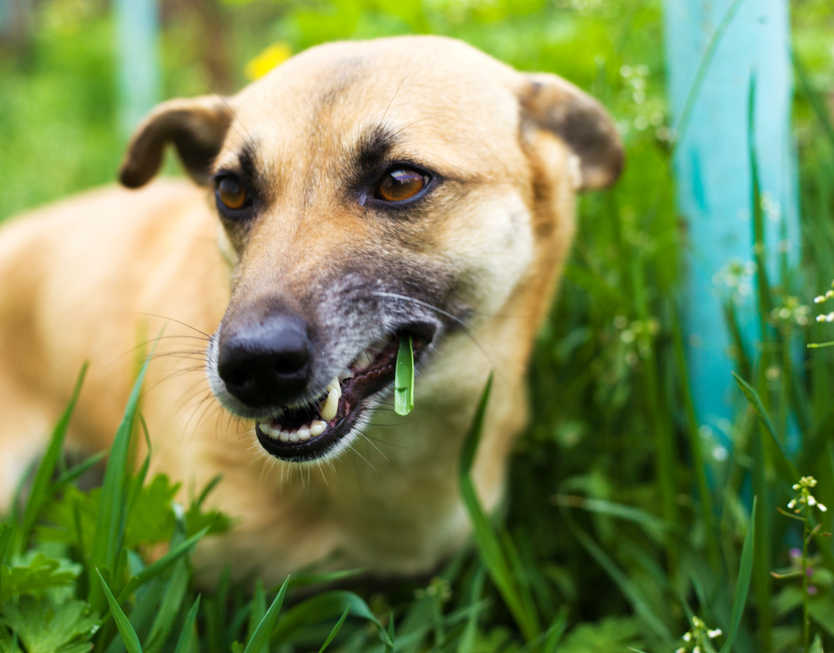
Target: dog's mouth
(316,429)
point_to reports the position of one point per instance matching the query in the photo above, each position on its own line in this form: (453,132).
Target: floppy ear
(552,104)
(196,127)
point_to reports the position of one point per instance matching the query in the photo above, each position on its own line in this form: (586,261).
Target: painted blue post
(136,34)
(715,47)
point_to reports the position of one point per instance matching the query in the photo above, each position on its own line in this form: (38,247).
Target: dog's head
(371,191)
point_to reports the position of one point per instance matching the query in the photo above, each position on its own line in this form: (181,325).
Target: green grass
(624,518)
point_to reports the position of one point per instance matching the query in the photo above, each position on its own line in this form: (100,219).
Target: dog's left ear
(552,104)
(197,127)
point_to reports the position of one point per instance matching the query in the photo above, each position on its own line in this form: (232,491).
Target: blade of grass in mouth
(404,378)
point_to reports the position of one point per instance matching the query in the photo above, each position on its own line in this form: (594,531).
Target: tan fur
(95,276)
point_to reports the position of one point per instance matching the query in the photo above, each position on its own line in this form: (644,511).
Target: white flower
(822,507)
(687,637)
(715,632)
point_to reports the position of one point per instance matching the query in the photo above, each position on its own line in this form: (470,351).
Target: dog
(360,193)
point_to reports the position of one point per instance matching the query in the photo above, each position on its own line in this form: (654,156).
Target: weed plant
(628,525)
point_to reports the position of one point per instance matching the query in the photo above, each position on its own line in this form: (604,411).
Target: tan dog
(367,191)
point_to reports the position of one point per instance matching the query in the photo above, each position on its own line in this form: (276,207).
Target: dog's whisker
(176,321)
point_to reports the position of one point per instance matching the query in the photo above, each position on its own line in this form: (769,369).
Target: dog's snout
(268,362)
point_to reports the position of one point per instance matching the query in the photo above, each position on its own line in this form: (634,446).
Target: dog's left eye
(401,184)
(231,193)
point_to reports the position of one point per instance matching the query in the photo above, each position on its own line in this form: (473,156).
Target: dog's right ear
(197,128)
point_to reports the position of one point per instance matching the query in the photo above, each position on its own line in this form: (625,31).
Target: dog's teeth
(271,432)
(344,374)
(331,404)
(303,433)
(317,427)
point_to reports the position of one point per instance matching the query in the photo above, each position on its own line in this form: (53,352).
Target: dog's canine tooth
(331,404)
(317,427)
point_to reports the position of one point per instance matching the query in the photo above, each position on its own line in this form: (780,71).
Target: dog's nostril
(290,362)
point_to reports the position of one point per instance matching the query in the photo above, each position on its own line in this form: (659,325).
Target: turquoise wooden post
(714,48)
(136,33)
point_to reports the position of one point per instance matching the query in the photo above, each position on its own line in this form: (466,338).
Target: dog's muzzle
(266,365)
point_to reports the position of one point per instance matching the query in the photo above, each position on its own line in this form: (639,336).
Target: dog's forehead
(433,93)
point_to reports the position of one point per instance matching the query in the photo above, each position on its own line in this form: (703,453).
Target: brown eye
(400,185)
(231,193)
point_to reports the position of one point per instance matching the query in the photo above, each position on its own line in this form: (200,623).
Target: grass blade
(489,546)
(110,521)
(42,487)
(257,609)
(743,581)
(185,643)
(470,633)
(326,606)
(160,565)
(335,630)
(168,608)
(629,589)
(786,467)
(259,642)
(404,378)
(129,637)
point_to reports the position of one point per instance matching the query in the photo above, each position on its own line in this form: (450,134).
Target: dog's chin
(322,426)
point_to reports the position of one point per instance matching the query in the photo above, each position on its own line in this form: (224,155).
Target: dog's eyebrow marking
(374,145)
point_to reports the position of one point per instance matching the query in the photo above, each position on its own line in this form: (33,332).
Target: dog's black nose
(265,362)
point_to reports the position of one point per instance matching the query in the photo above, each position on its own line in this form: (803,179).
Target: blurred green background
(608,380)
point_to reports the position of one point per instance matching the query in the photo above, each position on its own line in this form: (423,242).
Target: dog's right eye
(231,193)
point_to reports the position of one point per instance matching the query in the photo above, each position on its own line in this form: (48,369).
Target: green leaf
(404,378)
(259,642)
(742,582)
(44,626)
(34,574)
(129,637)
(185,643)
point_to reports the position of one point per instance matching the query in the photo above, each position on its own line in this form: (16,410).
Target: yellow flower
(274,55)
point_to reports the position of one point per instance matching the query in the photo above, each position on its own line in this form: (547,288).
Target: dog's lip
(357,392)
